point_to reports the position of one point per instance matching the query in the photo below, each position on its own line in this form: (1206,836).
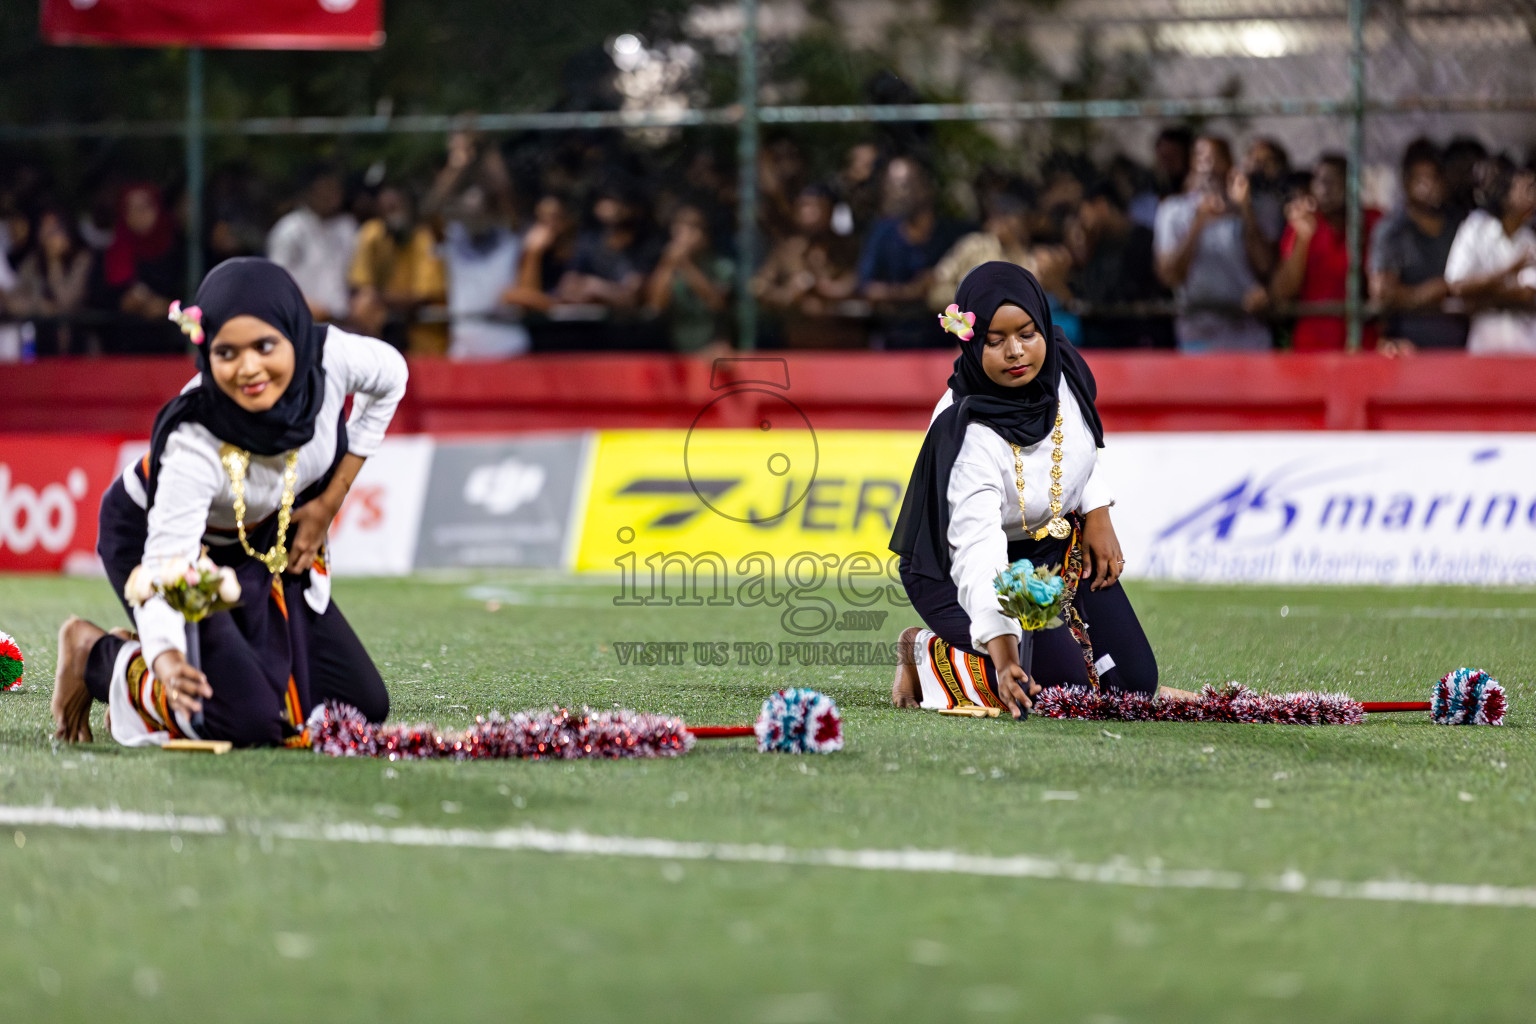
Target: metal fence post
(194,133)
(746,203)
(1354,222)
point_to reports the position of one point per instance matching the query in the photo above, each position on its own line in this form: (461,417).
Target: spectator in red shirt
(1314,257)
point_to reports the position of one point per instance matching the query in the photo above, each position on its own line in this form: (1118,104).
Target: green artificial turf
(236,927)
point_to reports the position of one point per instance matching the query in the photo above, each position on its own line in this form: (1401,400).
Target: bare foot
(71,700)
(906,691)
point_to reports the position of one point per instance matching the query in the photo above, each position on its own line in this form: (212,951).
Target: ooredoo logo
(46,517)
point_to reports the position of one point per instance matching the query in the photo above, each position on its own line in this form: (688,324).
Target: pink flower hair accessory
(961,325)
(190,320)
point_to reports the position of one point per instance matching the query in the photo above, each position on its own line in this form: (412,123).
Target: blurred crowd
(576,244)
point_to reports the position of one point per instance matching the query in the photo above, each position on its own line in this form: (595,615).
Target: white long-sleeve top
(194,495)
(984,505)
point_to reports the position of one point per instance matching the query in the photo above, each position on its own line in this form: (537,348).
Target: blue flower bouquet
(1035,595)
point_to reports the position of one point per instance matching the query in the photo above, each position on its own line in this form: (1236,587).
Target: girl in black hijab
(983,494)
(252,461)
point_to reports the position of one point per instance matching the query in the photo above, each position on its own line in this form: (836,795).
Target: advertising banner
(782,489)
(375,532)
(1327,507)
(231,24)
(657,505)
(50,492)
(501,503)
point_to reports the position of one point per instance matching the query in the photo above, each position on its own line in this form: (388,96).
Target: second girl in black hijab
(983,494)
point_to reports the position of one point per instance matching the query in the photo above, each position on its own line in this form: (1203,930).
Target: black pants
(1113,628)
(271,650)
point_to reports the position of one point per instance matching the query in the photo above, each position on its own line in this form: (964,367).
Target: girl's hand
(184,685)
(1102,558)
(1014,687)
(313,520)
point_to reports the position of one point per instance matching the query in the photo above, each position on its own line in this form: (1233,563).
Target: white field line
(946,862)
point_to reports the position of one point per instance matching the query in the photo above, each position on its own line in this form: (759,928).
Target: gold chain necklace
(1057,527)
(236,462)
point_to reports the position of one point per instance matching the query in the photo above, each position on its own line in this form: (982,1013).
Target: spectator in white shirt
(482,255)
(1492,263)
(315,241)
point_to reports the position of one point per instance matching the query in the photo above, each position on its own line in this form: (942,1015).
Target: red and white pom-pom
(12,664)
(1231,703)
(340,730)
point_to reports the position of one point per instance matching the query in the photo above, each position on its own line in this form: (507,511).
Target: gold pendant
(1057,527)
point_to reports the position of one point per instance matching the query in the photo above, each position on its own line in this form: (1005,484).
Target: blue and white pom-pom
(799,721)
(1468,696)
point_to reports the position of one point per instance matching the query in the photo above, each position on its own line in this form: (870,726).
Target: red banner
(227,24)
(50,492)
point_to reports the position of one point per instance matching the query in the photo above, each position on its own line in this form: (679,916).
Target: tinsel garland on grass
(560,734)
(1230,703)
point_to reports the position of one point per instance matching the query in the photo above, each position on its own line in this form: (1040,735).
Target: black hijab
(250,286)
(1023,415)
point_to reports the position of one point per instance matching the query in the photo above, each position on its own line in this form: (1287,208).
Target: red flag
(227,24)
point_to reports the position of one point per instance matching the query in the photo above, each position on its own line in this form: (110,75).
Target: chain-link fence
(1044,102)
